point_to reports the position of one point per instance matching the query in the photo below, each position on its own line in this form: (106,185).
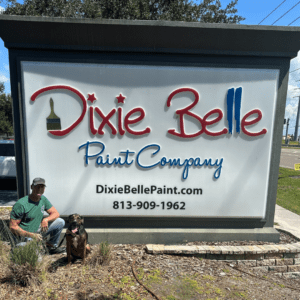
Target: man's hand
(37,236)
(44,225)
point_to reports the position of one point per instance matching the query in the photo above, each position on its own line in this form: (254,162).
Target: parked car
(7,165)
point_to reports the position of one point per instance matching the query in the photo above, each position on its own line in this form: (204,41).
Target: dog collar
(69,232)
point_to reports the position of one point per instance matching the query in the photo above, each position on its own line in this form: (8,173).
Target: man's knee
(58,223)
(61,222)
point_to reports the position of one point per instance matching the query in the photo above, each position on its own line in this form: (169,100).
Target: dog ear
(81,220)
(69,218)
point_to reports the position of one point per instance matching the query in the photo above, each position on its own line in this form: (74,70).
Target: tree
(208,11)
(1,88)
(6,119)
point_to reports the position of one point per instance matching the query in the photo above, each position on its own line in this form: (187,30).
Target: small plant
(154,276)
(218,291)
(101,256)
(105,250)
(241,294)
(48,292)
(141,273)
(209,277)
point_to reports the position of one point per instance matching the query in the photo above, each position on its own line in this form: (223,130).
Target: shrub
(24,267)
(26,254)
(2,247)
(24,274)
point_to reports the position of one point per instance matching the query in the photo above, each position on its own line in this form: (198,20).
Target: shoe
(57,250)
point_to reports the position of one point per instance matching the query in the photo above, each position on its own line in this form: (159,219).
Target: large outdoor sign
(124,140)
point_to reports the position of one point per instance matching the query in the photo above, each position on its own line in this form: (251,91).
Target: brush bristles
(53,126)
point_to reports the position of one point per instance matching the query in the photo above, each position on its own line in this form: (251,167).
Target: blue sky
(254,11)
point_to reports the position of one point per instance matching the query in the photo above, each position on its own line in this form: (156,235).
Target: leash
(62,240)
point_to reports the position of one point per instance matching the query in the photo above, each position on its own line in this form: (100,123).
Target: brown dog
(77,239)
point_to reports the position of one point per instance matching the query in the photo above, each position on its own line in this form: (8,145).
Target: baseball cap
(39,180)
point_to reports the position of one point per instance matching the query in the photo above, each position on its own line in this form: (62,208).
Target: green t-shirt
(30,213)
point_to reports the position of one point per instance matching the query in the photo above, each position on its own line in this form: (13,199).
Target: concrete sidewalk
(287,221)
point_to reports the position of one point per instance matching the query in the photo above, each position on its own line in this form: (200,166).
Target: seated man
(26,218)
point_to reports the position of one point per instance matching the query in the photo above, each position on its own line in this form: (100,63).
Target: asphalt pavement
(8,198)
(289,157)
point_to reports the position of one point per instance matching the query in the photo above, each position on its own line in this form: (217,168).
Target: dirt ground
(169,277)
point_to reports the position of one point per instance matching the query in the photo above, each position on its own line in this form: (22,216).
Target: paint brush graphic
(53,121)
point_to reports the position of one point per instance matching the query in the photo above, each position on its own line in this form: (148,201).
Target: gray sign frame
(154,43)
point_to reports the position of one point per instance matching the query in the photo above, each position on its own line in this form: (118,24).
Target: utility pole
(297,120)
(287,128)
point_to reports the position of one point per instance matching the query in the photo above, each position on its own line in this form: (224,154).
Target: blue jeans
(54,230)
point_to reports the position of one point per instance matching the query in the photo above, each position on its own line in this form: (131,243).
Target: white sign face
(123,140)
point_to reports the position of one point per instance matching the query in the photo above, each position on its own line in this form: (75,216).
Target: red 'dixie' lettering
(92,128)
(105,120)
(128,121)
(121,130)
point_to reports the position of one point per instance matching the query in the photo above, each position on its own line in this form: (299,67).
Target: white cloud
(294,75)
(3,78)
(6,67)
(297,59)
(293,90)
(292,93)
(291,111)
(1,9)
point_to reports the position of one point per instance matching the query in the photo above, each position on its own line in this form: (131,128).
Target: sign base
(179,236)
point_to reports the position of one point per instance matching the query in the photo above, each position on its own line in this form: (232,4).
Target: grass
(2,209)
(290,143)
(288,190)
(294,143)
